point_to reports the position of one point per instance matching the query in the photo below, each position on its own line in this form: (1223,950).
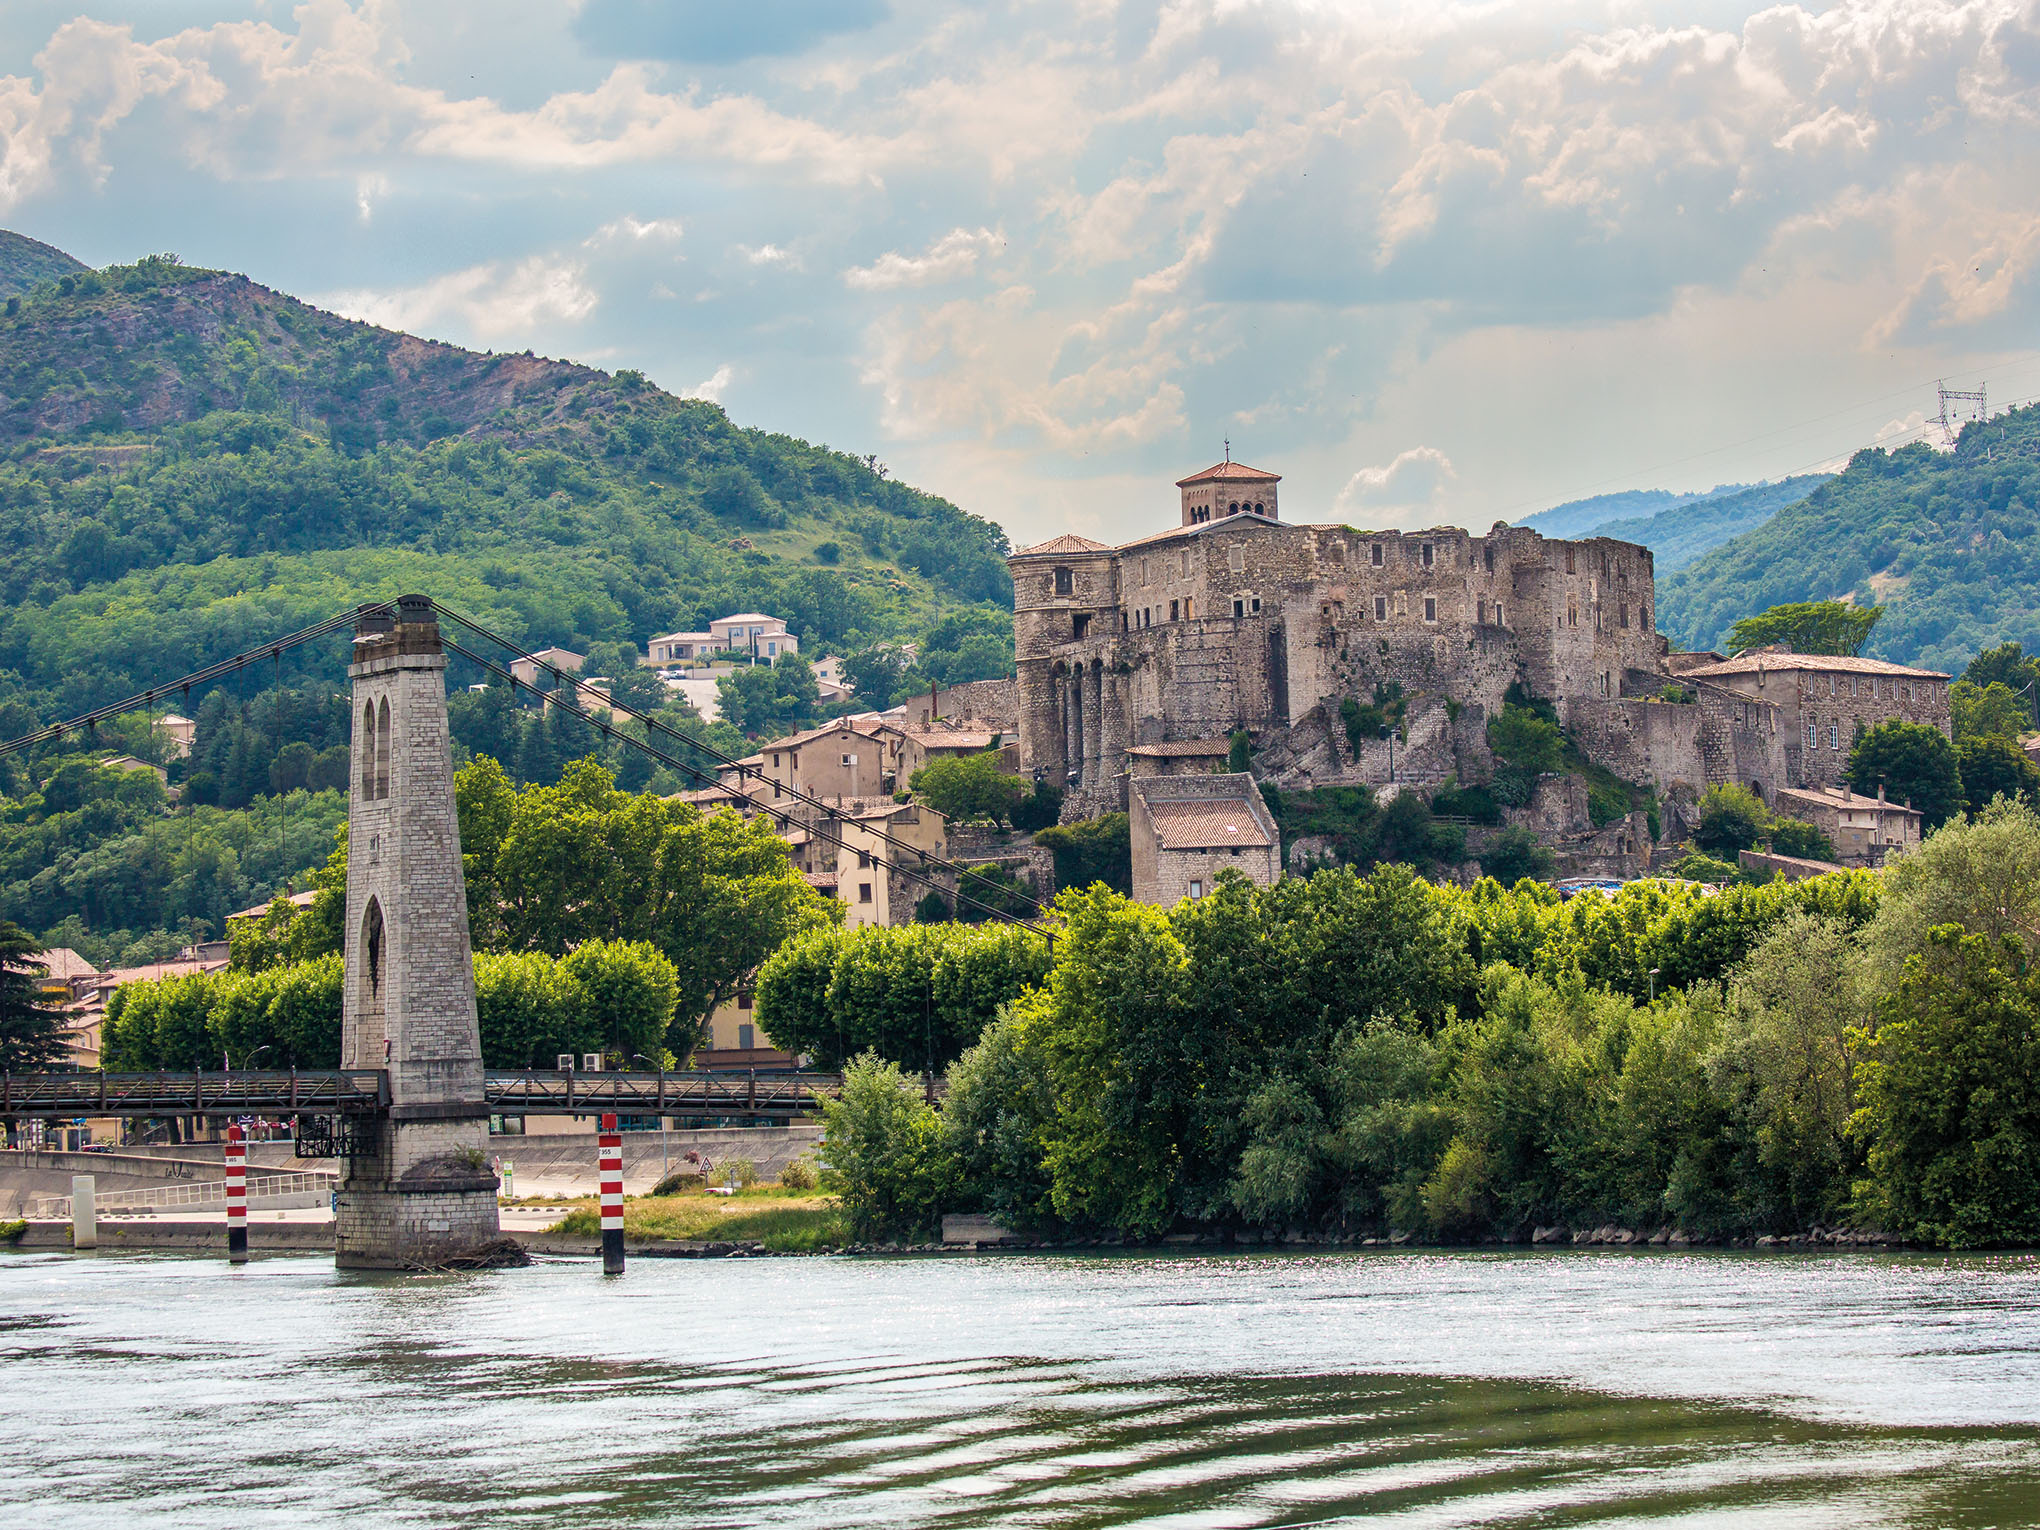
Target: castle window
(1255,605)
(1430,608)
(1834,735)
(1380,604)
(1189,613)
(1196,887)
(1569,568)
(1377,555)
(1172,610)
(382,750)
(1572,616)
(1480,613)
(1063,582)
(1239,607)
(1625,615)
(1430,554)
(1258,510)
(1233,508)
(1186,563)
(1498,615)
(1490,556)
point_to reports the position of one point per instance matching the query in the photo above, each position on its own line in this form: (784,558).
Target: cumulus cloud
(769,255)
(713,387)
(1416,480)
(954,255)
(638,231)
(483,303)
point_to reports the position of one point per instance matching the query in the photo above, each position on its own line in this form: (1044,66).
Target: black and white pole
(612,1197)
(237,1197)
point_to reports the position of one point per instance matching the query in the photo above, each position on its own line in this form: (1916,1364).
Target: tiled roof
(1068,542)
(1203,528)
(948,738)
(1823,663)
(1206,823)
(1229,471)
(1184,748)
(749,616)
(1839,797)
(862,725)
(64,964)
(296,900)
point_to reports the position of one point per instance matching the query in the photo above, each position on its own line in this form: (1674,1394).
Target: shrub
(884,1152)
(1793,836)
(800,1174)
(1732,818)
(1516,853)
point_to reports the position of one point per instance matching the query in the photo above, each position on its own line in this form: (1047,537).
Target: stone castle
(1142,659)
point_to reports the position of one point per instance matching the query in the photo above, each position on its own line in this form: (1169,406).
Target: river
(1401,1387)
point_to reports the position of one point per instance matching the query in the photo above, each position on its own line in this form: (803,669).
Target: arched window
(364,751)
(372,947)
(1233,508)
(1257,508)
(382,750)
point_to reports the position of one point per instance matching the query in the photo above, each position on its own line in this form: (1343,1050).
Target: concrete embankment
(140,1237)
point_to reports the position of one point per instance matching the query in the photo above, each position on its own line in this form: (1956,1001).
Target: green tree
(1093,851)
(1731,819)
(1516,853)
(1990,711)
(884,1153)
(1239,751)
(1981,873)
(2008,665)
(968,788)
(770,700)
(623,993)
(1795,836)
(32,1021)
(876,673)
(1950,1083)
(1994,767)
(1808,626)
(1913,763)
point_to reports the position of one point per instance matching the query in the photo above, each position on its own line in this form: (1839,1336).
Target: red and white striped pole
(612,1197)
(237,1197)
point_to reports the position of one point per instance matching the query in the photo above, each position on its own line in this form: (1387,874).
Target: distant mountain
(190,462)
(1679,534)
(1579,517)
(1947,542)
(26,264)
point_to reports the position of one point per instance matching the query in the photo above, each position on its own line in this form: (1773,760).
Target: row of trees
(1374,1052)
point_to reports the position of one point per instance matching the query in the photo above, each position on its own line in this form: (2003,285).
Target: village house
(1185,830)
(1863,830)
(749,633)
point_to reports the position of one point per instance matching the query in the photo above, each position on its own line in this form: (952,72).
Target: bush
(1096,850)
(1516,853)
(800,1174)
(884,1152)
(969,788)
(1700,867)
(1732,818)
(1525,740)
(1913,763)
(1793,836)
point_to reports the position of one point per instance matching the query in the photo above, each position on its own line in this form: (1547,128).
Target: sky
(1435,263)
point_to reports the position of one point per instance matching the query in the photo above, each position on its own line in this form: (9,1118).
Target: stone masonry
(425,1193)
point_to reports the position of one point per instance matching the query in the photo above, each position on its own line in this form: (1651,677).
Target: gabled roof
(747,616)
(1207,824)
(1841,797)
(1230,472)
(1189,748)
(1825,663)
(1064,545)
(1208,528)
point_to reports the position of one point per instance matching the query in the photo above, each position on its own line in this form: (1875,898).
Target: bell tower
(423,1192)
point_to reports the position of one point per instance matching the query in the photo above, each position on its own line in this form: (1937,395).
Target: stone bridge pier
(418,1189)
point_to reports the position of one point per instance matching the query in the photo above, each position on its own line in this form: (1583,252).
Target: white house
(748,632)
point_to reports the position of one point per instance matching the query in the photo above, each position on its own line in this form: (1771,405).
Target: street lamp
(1389,734)
(1653,983)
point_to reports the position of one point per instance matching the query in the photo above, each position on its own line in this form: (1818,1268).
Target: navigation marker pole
(612,1197)
(237,1197)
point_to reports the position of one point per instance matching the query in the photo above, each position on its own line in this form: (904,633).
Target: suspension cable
(213,671)
(744,772)
(831,834)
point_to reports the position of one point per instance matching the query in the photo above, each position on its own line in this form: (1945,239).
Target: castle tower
(424,1192)
(1065,603)
(1225,489)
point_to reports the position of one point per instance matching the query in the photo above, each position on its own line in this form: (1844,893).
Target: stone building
(1238,619)
(1185,830)
(1863,830)
(1823,700)
(1141,660)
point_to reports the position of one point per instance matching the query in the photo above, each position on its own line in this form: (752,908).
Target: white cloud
(483,303)
(1415,481)
(713,387)
(370,187)
(954,255)
(636,231)
(769,255)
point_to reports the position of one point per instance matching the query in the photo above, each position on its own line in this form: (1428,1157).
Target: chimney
(1880,794)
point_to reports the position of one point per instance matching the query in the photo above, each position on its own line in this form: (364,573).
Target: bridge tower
(420,1189)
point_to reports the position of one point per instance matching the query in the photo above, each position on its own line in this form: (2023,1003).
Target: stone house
(1187,829)
(909,748)
(1183,757)
(538,668)
(1863,830)
(843,758)
(1824,700)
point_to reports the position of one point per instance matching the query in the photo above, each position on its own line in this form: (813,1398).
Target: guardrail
(323,1091)
(205,1193)
(715,1094)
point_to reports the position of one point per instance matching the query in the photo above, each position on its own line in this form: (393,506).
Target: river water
(1403,1388)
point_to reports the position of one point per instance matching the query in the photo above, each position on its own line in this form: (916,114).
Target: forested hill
(1677,528)
(27,263)
(1945,541)
(191,462)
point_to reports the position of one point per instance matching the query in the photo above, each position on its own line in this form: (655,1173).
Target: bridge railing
(204,1193)
(312,1091)
(658,1094)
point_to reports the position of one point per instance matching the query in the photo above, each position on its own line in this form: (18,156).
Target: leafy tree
(1239,751)
(624,993)
(2008,665)
(1040,809)
(1097,850)
(1516,853)
(992,892)
(877,673)
(1526,741)
(968,788)
(1991,711)
(883,1153)
(1795,836)
(1950,1084)
(32,1022)
(1913,763)
(1809,626)
(731,494)
(1731,819)
(1982,874)
(770,700)
(1994,767)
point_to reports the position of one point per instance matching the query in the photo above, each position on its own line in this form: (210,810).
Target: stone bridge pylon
(417,1188)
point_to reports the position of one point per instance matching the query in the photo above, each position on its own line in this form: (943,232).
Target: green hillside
(1682,532)
(191,462)
(1945,541)
(26,264)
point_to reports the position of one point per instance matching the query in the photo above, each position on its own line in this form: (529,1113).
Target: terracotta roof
(948,738)
(64,964)
(296,900)
(1068,542)
(1206,823)
(1229,471)
(1840,797)
(1824,663)
(1184,748)
(820,880)
(862,725)
(1203,528)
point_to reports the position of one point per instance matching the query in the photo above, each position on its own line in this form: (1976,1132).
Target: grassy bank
(785,1221)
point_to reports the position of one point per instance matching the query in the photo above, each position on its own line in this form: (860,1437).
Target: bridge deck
(365,1092)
